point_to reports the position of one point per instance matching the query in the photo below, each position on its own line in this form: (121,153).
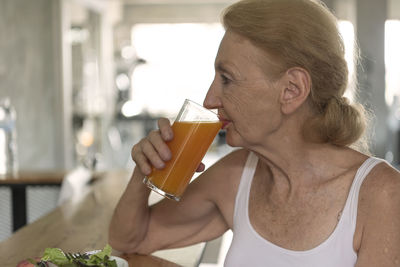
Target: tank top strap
(244,188)
(352,200)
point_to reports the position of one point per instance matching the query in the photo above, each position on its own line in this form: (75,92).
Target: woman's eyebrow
(220,67)
(230,69)
(225,67)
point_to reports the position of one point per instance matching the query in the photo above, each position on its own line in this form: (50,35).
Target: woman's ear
(296,89)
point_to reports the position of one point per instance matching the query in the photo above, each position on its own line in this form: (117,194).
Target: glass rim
(187,100)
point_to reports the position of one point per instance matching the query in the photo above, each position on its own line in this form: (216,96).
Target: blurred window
(392,60)
(346,29)
(179,64)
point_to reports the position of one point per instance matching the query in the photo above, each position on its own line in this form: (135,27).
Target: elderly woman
(297,192)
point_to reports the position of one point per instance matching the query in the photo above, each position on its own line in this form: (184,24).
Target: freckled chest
(302,221)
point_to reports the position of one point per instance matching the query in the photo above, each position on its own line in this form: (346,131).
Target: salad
(56,257)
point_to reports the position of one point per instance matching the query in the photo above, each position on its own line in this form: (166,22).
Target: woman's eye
(224,79)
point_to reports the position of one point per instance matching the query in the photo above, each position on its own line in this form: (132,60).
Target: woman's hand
(153,151)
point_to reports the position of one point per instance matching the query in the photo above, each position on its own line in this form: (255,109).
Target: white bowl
(120,261)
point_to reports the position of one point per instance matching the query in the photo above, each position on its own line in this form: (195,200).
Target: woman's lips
(225,122)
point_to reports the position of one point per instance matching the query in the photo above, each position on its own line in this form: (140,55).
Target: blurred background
(81,81)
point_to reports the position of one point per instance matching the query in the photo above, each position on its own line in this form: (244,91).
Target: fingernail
(160,165)
(169,135)
(146,171)
(167,155)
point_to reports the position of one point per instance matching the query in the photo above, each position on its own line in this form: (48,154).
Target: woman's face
(246,99)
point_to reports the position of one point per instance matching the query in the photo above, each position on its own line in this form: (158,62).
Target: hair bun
(341,123)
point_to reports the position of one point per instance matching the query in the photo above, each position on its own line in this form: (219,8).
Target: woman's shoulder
(381,188)
(225,173)
(220,182)
(381,178)
(232,163)
(379,215)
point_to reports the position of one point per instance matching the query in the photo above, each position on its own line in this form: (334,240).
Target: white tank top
(248,248)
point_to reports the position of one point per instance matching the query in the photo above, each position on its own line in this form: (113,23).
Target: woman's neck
(295,165)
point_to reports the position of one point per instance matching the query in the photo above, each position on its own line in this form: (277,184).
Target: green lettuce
(102,256)
(57,256)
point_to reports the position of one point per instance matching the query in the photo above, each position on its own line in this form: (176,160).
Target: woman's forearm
(129,223)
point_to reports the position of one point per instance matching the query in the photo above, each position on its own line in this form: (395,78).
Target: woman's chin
(232,138)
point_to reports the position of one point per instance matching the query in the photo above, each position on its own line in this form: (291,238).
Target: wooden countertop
(77,226)
(34,177)
(38,177)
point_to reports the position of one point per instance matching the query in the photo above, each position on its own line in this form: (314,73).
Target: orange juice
(188,147)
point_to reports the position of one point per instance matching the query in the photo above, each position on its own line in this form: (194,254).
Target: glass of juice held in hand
(194,130)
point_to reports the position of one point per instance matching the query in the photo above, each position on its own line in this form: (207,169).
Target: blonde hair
(304,33)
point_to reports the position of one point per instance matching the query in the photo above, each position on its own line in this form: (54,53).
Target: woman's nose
(212,100)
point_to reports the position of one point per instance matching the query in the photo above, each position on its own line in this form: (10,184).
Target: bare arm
(136,227)
(130,219)
(380,210)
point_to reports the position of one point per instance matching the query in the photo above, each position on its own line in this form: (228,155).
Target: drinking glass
(194,130)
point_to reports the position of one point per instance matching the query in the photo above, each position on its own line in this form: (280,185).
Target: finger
(159,145)
(144,165)
(165,129)
(151,154)
(141,161)
(201,167)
